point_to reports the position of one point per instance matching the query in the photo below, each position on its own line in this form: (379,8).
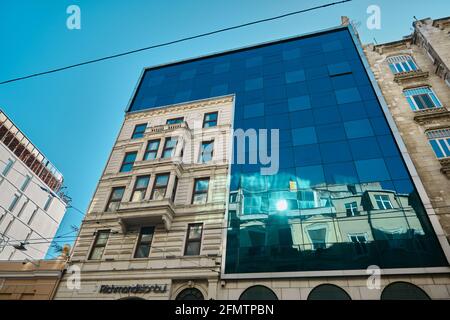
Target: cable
(174,41)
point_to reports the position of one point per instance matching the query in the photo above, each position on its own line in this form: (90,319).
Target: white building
(30,207)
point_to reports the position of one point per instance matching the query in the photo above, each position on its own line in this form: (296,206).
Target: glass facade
(342,198)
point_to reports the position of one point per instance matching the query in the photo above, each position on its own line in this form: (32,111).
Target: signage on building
(138,288)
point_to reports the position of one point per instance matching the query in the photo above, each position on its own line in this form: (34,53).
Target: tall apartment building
(414,76)
(30,208)
(154,227)
(344,201)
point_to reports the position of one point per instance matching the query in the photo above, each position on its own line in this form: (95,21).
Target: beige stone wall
(436,184)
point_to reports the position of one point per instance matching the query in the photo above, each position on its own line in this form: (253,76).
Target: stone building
(153,229)
(414,77)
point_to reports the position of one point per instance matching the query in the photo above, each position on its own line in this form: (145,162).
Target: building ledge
(145,212)
(413,75)
(429,115)
(164,128)
(445,166)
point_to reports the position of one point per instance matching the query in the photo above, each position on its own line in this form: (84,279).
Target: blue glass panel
(254,110)
(339,68)
(358,129)
(326,115)
(352,111)
(332,132)
(295,76)
(302,136)
(397,169)
(373,170)
(299,103)
(365,148)
(436,149)
(310,176)
(340,173)
(335,152)
(307,155)
(348,95)
(253,84)
(301,119)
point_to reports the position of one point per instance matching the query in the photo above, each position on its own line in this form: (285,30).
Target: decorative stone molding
(432,116)
(163,110)
(445,166)
(410,76)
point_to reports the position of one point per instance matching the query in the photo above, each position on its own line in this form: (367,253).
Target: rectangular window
(139,131)
(128,162)
(99,245)
(351,209)
(206,151)
(210,120)
(151,152)
(399,64)
(440,142)
(25,183)
(175,120)
(48,203)
(14,201)
(318,238)
(140,187)
(360,243)
(422,98)
(144,242)
(160,186)
(115,198)
(383,202)
(8,167)
(193,239)
(200,193)
(169,147)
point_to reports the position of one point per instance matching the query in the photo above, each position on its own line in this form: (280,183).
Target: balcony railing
(429,115)
(167,127)
(411,75)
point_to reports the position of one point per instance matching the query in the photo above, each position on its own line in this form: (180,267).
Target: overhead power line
(164,44)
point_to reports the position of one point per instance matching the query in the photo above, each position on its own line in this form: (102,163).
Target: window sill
(407,76)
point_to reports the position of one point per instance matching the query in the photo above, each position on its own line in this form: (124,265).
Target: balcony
(445,166)
(430,116)
(403,77)
(164,128)
(145,212)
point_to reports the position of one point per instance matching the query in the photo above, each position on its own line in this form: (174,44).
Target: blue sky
(74,116)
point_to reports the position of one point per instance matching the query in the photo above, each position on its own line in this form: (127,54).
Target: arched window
(190,294)
(403,291)
(403,63)
(328,292)
(258,293)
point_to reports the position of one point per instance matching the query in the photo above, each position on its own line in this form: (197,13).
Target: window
(139,131)
(258,293)
(447,79)
(160,186)
(8,167)
(440,142)
(422,98)
(175,120)
(128,162)
(144,242)
(140,187)
(48,202)
(352,209)
(14,202)
(360,243)
(169,147)
(193,239)
(25,183)
(190,294)
(399,64)
(115,198)
(174,190)
(210,120)
(318,237)
(328,292)
(99,245)
(200,194)
(206,151)
(383,202)
(151,152)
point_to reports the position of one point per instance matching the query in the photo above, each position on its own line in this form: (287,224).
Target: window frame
(353,209)
(418,92)
(147,151)
(8,167)
(194,192)
(127,163)
(95,244)
(14,202)
(401,61)
(314,244)
(139,133)
(201,153)
(165,148)
(439,141)
(210,121)
(189,241)
(139,242)
(110,199)
(174,189)
(359,244)
(177,120)
(383,202)
(156,187)
(25,183)
(135,187)
(48,202)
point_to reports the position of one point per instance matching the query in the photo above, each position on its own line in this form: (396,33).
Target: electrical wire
(174,41)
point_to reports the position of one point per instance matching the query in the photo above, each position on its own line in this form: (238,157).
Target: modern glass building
(343,197)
